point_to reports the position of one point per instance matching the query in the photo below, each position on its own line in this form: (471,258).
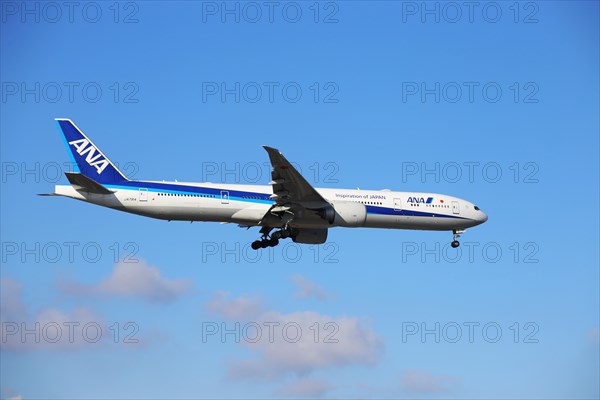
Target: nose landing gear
(457,232)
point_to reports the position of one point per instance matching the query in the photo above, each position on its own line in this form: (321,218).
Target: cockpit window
(477,208)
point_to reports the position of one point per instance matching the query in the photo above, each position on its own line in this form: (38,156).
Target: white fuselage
(248,205)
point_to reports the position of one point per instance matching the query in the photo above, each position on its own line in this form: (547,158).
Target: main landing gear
(457,232)
(272,240)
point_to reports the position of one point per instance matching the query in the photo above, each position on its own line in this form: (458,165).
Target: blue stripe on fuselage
(256,197)
(238,195)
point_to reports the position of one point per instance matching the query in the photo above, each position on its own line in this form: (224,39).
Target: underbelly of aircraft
(414,222)
(232,214)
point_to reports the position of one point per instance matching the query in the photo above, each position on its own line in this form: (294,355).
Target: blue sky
(169,91)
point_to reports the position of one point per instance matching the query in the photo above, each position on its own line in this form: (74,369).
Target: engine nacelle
(345,213)
(309,236)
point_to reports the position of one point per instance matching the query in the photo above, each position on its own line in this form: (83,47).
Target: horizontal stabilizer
(82,182)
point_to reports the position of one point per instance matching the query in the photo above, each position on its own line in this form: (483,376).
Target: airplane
(289,205)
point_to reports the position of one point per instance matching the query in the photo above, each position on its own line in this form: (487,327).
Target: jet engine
(345,213)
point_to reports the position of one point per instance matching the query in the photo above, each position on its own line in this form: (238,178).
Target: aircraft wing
(289,186)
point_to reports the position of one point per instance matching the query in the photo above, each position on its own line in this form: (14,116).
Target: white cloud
(294,345)
(423,382)
(9,394)
(133,280)
(324,342)
(307,288)
(11,303)
(49,327)
(594,336)
(304,387)
(240,308)
(299,343)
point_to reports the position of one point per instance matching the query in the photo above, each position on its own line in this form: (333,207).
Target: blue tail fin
(88,158)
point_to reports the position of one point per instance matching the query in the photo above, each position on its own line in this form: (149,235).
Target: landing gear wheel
(456,233)
(276,235)
(285,233)
(272,240)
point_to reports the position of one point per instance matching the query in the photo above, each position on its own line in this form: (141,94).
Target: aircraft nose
(483,217)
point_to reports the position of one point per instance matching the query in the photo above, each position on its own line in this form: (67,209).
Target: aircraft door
(455,207)
(143,194)
(224,197)
(397,204)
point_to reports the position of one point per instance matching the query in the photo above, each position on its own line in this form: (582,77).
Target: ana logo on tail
(93,157)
